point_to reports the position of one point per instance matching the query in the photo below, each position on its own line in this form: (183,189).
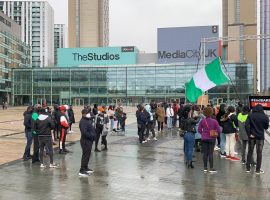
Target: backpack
(99,121)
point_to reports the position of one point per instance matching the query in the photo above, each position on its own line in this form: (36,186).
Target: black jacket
(257,122)
(87,130)
(190,125)
(141,119)
(229,124)
(56,116)
(43,125)
(27,122)
(71,116)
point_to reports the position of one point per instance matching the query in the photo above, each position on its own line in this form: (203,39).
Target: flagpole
(230,78)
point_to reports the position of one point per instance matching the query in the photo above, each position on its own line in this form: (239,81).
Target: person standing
(35,114)
(71,118)
(160,117)
(175,112)
(56,117)
(43,126)
(87,138)
(111,117)
(63,130)
(242,118)
(257,122)
(105,131)
(208,142)
(169,114)
(28,132)
(99,122)
(220,114)
(151,123)
(189,137)
(229,123)
(142,121)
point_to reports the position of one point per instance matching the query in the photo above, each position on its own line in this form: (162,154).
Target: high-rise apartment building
(88,23)
(240,18)
(265,47)
(13,54)
(36,19)
(59,38)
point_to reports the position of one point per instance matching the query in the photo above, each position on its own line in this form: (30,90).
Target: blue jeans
(29,138)
(189,141)
(222,142)
(169,122)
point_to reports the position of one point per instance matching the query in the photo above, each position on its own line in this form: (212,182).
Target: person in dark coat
(28,132)
(257,122)
(71,118)
(88,135)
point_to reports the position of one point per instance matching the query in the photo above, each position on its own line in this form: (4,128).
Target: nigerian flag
(205,79)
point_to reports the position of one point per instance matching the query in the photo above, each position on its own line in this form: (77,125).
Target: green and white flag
(206,78)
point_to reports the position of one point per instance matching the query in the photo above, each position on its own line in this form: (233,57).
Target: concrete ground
(129,170)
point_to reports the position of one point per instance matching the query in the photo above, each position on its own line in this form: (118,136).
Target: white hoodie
(169,112)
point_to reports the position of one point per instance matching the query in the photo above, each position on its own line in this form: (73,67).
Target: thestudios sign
(182,44)
(74,57)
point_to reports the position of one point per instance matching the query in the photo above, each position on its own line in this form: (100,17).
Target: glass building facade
(13,54)
(129,85)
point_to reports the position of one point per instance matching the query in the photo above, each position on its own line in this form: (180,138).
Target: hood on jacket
(242,118)
(258,108)
(42,117)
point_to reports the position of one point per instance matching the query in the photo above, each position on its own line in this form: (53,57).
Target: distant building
(37,28)
(13,54)
(265,47)
(59,39)
(240,18)
(88,23)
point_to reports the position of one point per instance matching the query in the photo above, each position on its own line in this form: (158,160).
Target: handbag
(213,133)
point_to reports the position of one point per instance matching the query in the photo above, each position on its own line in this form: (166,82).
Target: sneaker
(223,155)
(54,165)
(243,162)
(83,174)
(42,166)
(61,151)
(205,171)
(216,148)
(212,171)
(148,139)
(144,141)
(228,157)
(259,172)
(89,171)
(236,153)
(97,150)
(248,171)
(155,139)
(234,159)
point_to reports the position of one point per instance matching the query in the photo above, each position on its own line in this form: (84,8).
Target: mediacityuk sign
(263,100)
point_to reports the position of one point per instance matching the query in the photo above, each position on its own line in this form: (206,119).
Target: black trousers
(259,147)
(86,153)
(56,131)
(150,127)
(141,131)
(35,149)
(45,141)
(208,150)
(98,134)
(104,140)
(160,126)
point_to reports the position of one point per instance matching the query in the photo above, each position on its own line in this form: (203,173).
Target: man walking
(255,125)
(87,137)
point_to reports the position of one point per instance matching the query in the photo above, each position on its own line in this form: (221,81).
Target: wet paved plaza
(130,170)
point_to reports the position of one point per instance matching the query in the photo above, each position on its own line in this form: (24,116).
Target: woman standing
(111,117)
(169,114)
(160,117)
(229,123)
(208,142)
(189,137)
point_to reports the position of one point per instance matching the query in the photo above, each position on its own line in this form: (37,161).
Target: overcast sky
(135,22)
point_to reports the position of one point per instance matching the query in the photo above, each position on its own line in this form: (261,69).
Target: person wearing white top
(169,114)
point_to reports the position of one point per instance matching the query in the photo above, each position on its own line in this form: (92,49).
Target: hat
(62,108)
(85,111)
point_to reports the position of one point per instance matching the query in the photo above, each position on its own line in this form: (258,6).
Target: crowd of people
(226,129)
(204,129)
(44,126)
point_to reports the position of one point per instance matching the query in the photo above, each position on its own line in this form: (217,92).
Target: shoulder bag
(213,133)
